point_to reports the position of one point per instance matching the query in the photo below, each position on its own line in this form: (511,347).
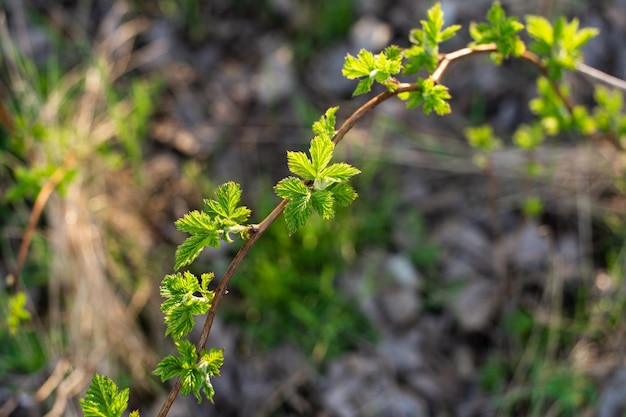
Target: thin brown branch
(600,76)
(256,231)
(13,279)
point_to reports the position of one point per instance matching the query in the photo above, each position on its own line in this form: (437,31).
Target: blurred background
(434,294)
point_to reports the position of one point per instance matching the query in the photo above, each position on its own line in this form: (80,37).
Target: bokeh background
(432,295)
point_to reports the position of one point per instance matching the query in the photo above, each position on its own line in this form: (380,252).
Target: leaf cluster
(424,53)
(181,303)
(218,219)
(501,30)
(104,400)
(554,114)
(318,185)
(374,68)
(561,44)
(17,311)
(194,369)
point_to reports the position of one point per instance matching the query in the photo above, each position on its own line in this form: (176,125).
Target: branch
(256,231)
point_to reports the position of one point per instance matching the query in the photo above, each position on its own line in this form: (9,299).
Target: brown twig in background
(13,279)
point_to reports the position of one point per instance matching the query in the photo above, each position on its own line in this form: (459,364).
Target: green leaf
(194,370)
(364,86)
(323,202)
(196,222)
(425,52)
(343,193)
(17,311)
(291,188)
(502,31)
(325,126)
(103,399)
(379,68)
(482,138)
(180,303)
(297,211)
(560,44)
(339,172)
(360,66)
(189,250)
(228,197)
(432,96)
(300,165)
(528,137)
(321,153)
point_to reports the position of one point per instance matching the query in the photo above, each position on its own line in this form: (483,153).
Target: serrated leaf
(339,172)
(180,303)
(323,202)
(297,211)
(540,29)
(502,31)
(213,360)
(432,96)
(134,413)
(435,99)
(364,86)
(300,165)
(17,312)
(291,188)
(321,151)
(343,193)
(189,250)
(325,126)
(195,222)
(103,399)
(228,196)
(194,374)
(360,66)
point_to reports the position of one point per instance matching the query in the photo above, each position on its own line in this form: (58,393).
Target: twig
(603,77)
(13,279)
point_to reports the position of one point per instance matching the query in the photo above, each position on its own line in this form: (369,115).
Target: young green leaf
(180,303)
(375,68)
(323,202)
(189,250)
(432,96)
(291,188)
(300,165)
(560,44)
(502,31)
(360,66)
(325,126)
(196,223)
(194,372)
(17,311)
(529,137)
(482,138)
(338,172)
(297,211)
(321,151)
(343,193)
(103,399)
(425,49)
(225,207)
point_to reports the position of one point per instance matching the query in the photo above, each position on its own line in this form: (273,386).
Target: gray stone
(371,34)
(613,399)
(400,305)
(276,79)
(476,304)
(404,272)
